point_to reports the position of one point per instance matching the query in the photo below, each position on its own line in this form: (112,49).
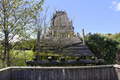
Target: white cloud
(113,2)
(118,7)
(110,7)
(115,5)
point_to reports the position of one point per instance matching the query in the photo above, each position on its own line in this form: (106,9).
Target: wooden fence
(101,72)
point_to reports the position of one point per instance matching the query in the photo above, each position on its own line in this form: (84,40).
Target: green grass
(21,57)
(18,58)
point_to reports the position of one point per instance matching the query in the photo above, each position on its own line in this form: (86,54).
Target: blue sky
(102,16)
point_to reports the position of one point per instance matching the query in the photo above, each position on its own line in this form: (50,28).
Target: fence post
(10,73)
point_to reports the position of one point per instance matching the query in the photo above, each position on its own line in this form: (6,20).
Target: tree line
(104,46)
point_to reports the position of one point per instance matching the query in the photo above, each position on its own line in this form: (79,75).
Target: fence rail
(101,72)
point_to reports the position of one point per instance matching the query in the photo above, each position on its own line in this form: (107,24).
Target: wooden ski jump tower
(60,43)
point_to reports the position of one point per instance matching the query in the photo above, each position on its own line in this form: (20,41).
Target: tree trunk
(6,48)
(4,55)
(38,40)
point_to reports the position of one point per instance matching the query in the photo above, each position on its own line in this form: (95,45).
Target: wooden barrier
(5,74)
(100,72)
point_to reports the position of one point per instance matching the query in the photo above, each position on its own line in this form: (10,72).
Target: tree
(16,19)
(41,26)
(25,45)
(103,47)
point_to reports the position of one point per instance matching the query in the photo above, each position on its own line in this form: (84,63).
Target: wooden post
(52,33)
(10,73)
(84,42)
(83,36)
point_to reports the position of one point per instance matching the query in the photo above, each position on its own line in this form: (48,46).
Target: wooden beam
(68,67)
(83,36)
(4,69)
(66,62)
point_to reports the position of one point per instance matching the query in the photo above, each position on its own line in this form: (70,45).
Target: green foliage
(21,57)
(118,39)
(25,45)
(114,36)
(118,46)
(17,19)
(53,26)
(70,34)
(57,34)
(103,47)
(18,57)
